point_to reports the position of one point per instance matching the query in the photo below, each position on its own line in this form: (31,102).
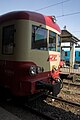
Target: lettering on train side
(52,57)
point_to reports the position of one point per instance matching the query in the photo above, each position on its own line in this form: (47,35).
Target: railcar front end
(29,53)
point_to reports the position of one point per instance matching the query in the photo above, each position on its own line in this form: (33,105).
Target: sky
(67,12)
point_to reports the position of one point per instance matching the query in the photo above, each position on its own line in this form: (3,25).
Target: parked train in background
(67,56)
(29,51)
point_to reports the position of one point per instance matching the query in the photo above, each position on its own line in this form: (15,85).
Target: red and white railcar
(29,50)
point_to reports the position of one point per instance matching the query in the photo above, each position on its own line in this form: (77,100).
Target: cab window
(52,41)
(8,40)
(39,38)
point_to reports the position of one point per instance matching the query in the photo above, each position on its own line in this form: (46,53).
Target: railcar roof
(37,17)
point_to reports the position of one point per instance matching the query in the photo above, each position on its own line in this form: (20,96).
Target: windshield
(59,44)
(52,41)
(39,38)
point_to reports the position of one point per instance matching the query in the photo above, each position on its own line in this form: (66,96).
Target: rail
(62,100)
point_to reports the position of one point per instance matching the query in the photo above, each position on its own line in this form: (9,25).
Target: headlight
(32,70)
(40,69)
(35,70)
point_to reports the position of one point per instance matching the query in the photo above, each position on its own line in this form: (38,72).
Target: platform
(69,70)
(5,115)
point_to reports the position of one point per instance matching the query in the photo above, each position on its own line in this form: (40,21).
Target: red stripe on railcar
(15,75)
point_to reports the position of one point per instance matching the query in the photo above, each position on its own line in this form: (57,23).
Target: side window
(79,54)
(59,44)
(8,40)
(65,53)
(52,41)
(39,38)
(75,54)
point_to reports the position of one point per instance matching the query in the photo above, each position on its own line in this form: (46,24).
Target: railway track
(65,101)
(37,112)
(72,83)
(50,112)
(39,108)
(71,87)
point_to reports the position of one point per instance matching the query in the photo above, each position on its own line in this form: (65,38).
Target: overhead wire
(63,15)
(52,5)
(69,14)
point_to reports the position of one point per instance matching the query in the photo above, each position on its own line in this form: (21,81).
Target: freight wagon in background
(29,50)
